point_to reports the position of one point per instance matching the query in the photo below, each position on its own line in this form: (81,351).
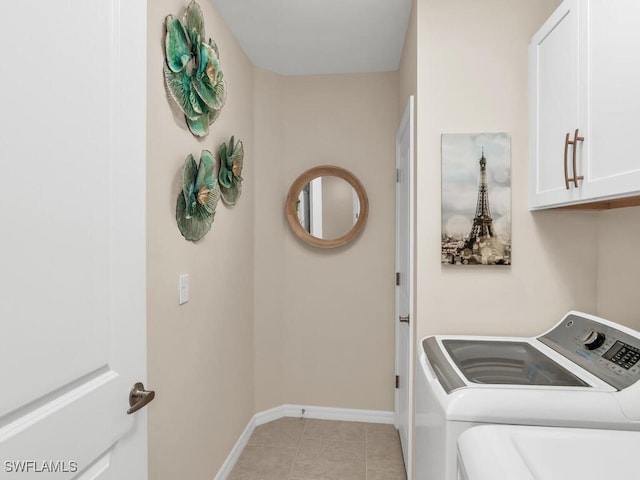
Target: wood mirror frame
(294,193)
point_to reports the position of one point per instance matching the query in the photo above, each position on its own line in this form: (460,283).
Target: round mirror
(327,206)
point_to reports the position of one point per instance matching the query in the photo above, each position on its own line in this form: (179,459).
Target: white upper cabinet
(584,94)
(555,104)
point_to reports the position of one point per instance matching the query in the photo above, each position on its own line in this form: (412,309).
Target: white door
(72,247)
(404,274)
(555,96)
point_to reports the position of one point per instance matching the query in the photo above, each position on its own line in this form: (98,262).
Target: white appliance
(584,372)
(501,452)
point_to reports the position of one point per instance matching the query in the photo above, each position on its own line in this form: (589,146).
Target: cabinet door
(555,98)
(613,156)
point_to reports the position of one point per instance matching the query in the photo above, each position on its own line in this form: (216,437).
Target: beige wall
(338,309)
(200,357)
(270,230)
(619,266)
(330,337)
(270,320)
(472,77)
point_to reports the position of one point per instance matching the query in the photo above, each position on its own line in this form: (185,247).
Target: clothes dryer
(508,452)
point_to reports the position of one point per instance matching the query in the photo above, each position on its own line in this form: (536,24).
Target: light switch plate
(183,288)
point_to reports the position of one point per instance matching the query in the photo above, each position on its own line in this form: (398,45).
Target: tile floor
(308,449)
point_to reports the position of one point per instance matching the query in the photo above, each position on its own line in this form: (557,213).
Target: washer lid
(461,362)
(507,363)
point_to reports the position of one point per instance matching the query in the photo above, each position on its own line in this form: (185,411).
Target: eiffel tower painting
(475,170)
(482,229)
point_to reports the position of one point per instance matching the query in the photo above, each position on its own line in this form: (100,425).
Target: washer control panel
(604,351)
(623,355)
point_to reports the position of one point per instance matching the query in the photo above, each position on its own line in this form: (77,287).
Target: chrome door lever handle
(139,397)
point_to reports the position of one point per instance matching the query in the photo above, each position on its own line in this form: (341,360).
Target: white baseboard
(233,456)
(321,413)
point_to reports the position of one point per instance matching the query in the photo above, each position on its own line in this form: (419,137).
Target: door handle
(139,397)
(404,319)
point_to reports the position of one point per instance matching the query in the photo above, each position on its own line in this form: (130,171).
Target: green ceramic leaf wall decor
(176,45)
(230,176)
(213,115)
(199,126)
(193,21)
(196,204)
(181,91)
(209,83)
(192,71)
(215,47)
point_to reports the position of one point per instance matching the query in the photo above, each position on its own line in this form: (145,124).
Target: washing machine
(583,372)
(508,452)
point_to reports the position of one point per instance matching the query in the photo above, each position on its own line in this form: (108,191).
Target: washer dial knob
(592,339)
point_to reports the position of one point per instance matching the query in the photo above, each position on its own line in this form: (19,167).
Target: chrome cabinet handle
(404,319)
(139,397)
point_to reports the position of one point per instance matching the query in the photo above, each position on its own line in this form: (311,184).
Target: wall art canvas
(476,199)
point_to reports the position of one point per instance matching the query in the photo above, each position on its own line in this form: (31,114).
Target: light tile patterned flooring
(308,449)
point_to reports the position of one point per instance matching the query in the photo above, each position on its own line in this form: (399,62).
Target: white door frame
(408,122)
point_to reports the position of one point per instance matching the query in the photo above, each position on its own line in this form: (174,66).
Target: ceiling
(306,37)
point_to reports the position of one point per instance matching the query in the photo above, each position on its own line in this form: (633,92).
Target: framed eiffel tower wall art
(476,199)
